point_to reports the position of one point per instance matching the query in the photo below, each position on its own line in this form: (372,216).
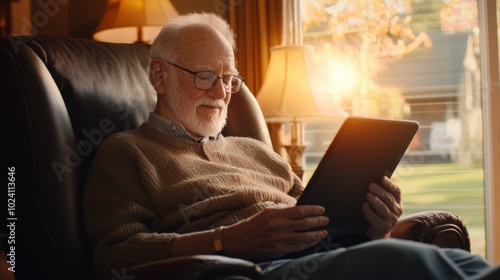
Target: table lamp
(134,21)
(293,93)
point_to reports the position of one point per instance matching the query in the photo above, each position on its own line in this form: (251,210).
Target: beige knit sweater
(145,187)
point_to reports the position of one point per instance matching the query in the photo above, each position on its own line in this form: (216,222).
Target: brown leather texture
(440,228)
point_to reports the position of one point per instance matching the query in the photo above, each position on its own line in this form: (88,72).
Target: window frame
(490,77)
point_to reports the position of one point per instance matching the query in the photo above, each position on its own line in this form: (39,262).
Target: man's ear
(157,76)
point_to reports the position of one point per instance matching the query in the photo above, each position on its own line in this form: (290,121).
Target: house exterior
(442,87)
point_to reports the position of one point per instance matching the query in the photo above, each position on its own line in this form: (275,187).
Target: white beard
(185,113)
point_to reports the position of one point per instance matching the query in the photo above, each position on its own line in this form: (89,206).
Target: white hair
(165,44)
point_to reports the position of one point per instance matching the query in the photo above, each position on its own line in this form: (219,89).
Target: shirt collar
(176,129)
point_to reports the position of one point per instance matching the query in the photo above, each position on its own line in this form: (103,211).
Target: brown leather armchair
(61,98)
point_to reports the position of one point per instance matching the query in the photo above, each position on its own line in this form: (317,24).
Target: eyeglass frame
(195,73)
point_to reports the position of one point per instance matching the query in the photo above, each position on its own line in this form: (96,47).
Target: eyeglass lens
(205,80)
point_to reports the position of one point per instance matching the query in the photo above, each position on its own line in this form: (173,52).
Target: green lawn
(447,186)
(451,187)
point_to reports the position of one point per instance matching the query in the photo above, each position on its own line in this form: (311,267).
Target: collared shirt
(176,129)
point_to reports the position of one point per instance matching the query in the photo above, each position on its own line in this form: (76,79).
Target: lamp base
(295,156)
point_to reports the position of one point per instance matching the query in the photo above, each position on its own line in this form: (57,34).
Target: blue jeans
(381,259)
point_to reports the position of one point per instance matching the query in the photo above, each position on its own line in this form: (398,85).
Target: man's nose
(218,91)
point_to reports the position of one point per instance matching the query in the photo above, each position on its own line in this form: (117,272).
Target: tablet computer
(362,151)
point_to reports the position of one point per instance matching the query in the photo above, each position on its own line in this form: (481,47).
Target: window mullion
(491,122)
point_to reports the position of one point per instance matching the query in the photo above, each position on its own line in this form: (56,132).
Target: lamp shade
(292,90)
(130,21)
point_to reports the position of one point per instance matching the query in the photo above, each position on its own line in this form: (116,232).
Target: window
(415,60)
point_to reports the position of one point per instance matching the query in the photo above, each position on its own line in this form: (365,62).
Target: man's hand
(275,232)
(383,209)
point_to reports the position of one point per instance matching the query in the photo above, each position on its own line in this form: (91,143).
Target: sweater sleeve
(118,213)
(297,187)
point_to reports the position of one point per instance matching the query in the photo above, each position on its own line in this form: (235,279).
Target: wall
(20,12)
(79,18)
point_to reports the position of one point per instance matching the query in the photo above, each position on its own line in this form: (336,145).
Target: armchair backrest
(62,97)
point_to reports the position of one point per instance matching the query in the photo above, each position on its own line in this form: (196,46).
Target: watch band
(217,239)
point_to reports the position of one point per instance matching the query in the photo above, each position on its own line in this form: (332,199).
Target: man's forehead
(201,35)
(200,43)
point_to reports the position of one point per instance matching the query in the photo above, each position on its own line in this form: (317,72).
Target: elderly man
(175,186)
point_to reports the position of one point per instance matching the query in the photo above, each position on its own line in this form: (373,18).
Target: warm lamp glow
(292,90)
(132,21)
(342,75)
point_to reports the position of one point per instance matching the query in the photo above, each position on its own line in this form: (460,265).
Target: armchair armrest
(192,267)
(440,228)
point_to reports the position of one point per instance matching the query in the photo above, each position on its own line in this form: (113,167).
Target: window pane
(412,60)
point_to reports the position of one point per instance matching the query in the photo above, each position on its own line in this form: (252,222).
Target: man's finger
(302,211)
(391,187)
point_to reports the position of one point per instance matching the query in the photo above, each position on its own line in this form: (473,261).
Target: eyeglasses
(205,80)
